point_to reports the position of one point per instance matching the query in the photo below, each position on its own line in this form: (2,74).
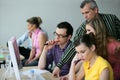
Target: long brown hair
(101,36)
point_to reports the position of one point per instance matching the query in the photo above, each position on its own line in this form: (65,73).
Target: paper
(37,73)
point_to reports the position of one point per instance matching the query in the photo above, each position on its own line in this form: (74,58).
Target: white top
(23,38)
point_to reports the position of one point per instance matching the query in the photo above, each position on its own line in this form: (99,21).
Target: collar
(36,31)
(64,47)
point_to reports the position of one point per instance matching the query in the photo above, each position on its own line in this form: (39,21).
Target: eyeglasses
(60,35)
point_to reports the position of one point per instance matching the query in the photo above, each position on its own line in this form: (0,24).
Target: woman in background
(39,37)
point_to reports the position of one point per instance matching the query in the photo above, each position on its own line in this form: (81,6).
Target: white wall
(14,13)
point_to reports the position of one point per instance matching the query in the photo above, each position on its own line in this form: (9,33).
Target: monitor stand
(9,73)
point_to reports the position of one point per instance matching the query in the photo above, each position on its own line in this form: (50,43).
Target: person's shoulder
(83,23)
(107,15)
(103,64)
(100,58)
(70,41)
(42,33)
(82,26)
(102,61)
(112,46)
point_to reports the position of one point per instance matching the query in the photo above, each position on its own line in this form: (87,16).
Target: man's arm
(23,38)
(70,51)
(42,60)
(117,25)
(46,57)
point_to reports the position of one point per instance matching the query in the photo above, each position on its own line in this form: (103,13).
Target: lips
(56,41)
(82,59)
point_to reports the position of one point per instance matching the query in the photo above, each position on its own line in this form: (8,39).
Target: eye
(88,30)
(83,51)
(86,12)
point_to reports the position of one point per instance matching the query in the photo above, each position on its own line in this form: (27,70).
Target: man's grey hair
(93,4)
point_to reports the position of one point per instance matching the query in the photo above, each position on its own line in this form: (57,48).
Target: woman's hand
(75,60)
(27,62)
(64,77)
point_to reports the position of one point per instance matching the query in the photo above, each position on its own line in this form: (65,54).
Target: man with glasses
(54,49)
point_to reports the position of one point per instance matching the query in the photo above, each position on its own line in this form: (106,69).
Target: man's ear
(96,10)
(69,37)
(93,48)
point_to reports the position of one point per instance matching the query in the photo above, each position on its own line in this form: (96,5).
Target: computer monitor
(15,57)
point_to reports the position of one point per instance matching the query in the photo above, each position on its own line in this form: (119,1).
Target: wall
(14,13)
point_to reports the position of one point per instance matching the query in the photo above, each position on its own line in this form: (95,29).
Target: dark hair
(88,40)
(67,26)
(35,20)
(93,4)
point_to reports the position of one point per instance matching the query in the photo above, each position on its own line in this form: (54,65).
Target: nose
(85,16)
(80,56)
(87,32)
(56,37)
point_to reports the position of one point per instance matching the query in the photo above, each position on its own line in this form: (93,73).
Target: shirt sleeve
(117,25)
(49,58)
(70,51)
(22,39)
(104,65)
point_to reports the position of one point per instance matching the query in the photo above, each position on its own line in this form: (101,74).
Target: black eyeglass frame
(60,35)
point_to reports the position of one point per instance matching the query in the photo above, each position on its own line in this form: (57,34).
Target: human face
(89,13)
(61,36)
(90,29)
(30,27)
(84,53)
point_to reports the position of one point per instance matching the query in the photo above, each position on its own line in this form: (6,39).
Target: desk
(46,75)
(4,55)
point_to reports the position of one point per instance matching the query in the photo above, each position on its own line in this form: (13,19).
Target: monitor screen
(15,56)
(13,43)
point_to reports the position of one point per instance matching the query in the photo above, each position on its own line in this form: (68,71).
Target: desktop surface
(46,75)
